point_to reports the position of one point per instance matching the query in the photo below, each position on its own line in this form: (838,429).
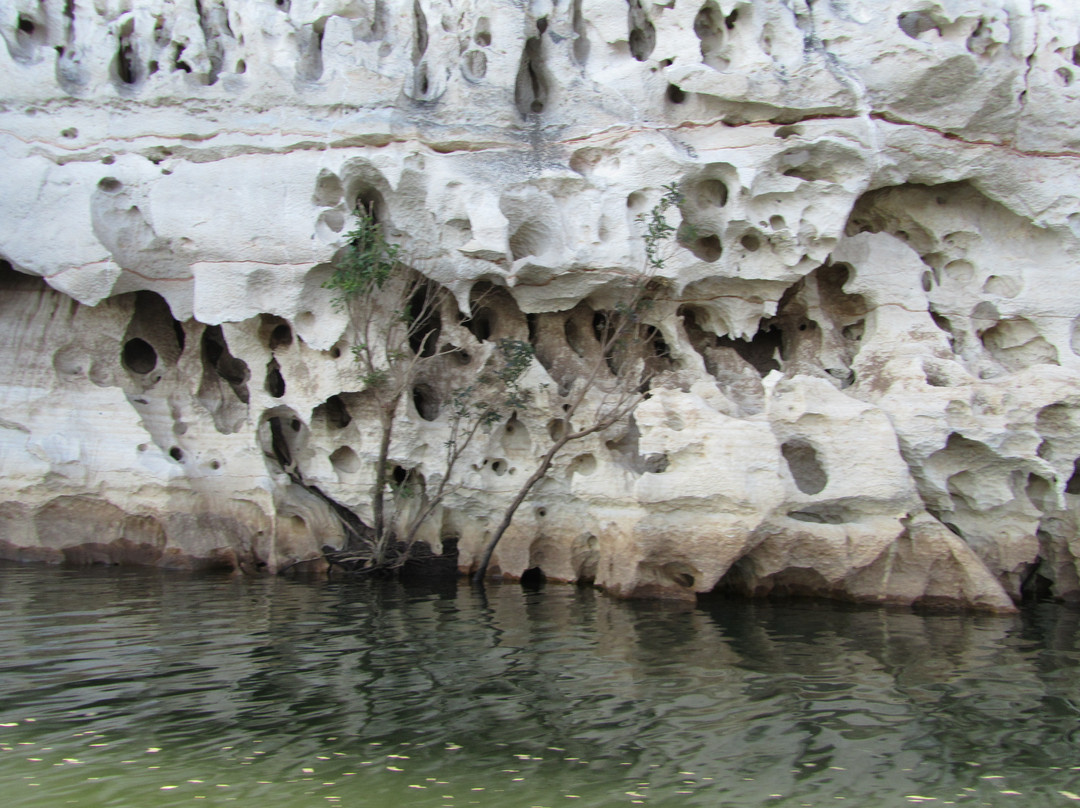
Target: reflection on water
(154,689)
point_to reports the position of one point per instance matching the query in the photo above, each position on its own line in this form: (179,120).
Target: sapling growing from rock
(615,382)
(396,311)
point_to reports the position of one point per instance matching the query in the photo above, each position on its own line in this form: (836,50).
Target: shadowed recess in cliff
(533,79)
(223,389)
(153,341)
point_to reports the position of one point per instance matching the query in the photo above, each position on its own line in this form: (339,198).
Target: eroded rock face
(868,341)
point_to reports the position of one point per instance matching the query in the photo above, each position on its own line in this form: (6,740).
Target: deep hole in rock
(176,454)
(481,324)
(707,248)
(676,94)
(279,442)
(124,66)
(139,356)
(533,577)
(737,582)
(281,337)
(275,382)
(153,338)
(761,351)
(642,31)
(531,86)
(531,325)
(216,356)
(179,333)
(334,411)
(426,402)
(1036,587)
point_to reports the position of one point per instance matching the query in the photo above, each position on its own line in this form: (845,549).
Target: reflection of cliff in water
(562,686)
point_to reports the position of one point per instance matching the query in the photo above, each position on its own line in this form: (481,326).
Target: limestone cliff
(870,332)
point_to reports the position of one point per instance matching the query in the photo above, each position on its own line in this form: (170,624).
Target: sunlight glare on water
(143,688)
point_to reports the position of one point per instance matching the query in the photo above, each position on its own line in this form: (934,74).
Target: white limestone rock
(867,336)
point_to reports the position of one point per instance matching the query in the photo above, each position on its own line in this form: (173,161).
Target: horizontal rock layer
(870,344)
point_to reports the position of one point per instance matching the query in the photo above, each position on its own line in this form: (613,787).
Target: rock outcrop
(870,339)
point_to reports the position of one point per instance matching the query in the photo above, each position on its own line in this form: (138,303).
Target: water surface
(143,688)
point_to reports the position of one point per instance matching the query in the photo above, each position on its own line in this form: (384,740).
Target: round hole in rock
(110,185)
(776,222)
(499,467)
(750,242)
(541,512)
(215,465)
(139,356)
(345,460)
(707,248)
(176,454)
(335,352)
(295,424)
(280,337)
(426,402)
(336,413)
(710,193)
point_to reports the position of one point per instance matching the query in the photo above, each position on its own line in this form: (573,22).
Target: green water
(151,689)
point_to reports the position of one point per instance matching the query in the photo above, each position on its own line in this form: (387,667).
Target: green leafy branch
(366,265)
(657,229)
